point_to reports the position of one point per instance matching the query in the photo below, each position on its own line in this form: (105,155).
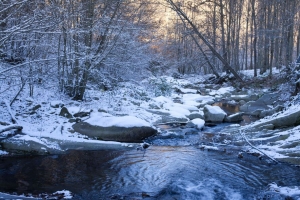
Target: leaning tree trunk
(213,50)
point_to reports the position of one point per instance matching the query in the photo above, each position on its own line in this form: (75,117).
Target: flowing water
(160,172)
(173,167)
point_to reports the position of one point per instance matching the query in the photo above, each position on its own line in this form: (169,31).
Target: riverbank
(252,124)
(53,123)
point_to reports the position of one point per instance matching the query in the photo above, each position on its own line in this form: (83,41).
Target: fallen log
(10,127)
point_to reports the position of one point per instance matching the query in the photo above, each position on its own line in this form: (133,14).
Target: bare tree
(200,35)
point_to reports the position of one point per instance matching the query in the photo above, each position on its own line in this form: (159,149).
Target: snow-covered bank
(63,194)
(50,122)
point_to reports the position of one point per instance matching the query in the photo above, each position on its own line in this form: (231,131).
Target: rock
(34,108)
(185,90)
(114,133)
(242,102)
(193,109)
(190,131)
(136,103)
(195,115)
(272,111)
(240,155)
(56,104)
(246,98)
(101,110)
(213,113)
(167,118)
(287,120)
(252,108)
(18,145)
(237,117)
(276,138)
(72,120)
(177,100)
(65,113)
(269,99)
(267,127)
(202,104)
(153,106)
(82,114)
(263,103)
(198,123)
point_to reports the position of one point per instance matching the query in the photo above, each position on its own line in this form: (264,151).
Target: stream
(163,171)
(173,167)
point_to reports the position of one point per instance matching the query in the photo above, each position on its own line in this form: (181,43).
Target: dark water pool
(162,172)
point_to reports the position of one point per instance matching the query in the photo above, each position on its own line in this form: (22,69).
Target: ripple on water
(161,172)
(189,173)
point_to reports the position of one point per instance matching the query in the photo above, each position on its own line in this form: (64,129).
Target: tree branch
(246,139)
(10,127)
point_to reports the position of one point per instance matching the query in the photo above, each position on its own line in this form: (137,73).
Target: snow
(67,194)
(56,103)
(76,109)
(215,110)
(198,122)
(191,91)
(250,73)
(98,119)
(286,191)
(3,152)
(196,99)
(125,106)
(208,147)
(222,91)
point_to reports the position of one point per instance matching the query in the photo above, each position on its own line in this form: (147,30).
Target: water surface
(161,172)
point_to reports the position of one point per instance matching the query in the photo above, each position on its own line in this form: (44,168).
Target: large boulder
(21,144)
(286,120)
(213,114)
(114,133)
(263,103)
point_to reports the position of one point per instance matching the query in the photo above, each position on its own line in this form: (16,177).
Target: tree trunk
(89,6)
(184,16)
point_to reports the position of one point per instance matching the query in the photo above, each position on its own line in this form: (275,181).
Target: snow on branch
(10,127)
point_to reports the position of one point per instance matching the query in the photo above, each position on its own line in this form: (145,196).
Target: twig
(246,139)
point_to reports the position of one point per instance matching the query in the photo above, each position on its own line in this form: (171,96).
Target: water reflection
(161,173)
(229,108)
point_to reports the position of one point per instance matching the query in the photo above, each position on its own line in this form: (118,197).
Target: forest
(72,42)
(150,99)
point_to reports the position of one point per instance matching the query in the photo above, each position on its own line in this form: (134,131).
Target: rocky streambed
(196,122)
(190,110)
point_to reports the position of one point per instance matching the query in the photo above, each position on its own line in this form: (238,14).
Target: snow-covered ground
(128,105)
